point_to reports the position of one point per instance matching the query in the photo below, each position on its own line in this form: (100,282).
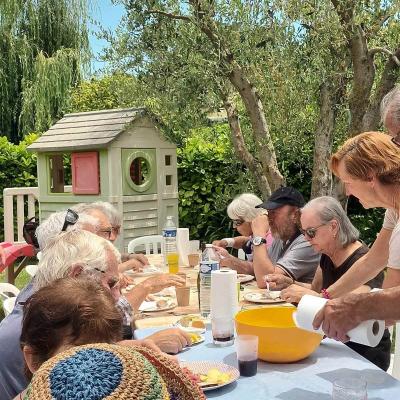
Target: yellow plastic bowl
(279,340)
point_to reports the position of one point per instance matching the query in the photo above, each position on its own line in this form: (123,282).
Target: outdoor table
(309,379)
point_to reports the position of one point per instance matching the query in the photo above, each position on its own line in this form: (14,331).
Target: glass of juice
(223,331)
(172,260)
(247,354)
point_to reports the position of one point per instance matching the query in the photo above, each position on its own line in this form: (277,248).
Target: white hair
(243,207)
(51,227)
(391,102)
(106,208)
(76,247)
(327,209)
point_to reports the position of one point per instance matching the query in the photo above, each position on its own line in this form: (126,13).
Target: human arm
(171,341)
(133,256)
(228,260)
(392,278)
(340,315)
(238,242)
(154,284)
(365,268)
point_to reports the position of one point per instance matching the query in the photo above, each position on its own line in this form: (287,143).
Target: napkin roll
(224,295)
(368,332)
(182,243)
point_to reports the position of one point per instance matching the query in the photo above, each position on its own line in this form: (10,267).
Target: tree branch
(168,15)
(393,56)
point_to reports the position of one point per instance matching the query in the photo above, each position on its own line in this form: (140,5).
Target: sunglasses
(311,232)
(237,222)
(71,218)
(29,232)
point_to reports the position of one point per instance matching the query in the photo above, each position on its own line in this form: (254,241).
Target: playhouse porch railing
(26,200)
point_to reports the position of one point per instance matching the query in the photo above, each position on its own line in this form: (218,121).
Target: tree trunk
(241,150)
(321,176)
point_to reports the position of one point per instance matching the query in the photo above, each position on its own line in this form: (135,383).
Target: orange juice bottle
(169,234)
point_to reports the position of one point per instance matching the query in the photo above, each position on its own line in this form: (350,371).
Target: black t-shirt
(379,355)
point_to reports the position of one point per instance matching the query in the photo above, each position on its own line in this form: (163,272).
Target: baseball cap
(282,197)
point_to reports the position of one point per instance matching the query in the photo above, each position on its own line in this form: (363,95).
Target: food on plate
(195,337)
(161,303)
(215,376)
(192,321)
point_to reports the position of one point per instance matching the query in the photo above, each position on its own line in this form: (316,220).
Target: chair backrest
(31,269)
(7,290)
(8,305)
(396,356)
(153,244)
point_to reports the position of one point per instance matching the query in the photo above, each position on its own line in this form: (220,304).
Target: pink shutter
(85,173)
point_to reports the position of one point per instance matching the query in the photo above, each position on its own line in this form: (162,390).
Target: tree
(44,45)
(307,67)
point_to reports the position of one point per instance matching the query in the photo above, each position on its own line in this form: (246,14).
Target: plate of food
(158,305)
(210,375)
(265,297)
(196,338)
(192,323)
(148,270)
(242,278)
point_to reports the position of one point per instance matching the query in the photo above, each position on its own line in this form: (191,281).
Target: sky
(108,15)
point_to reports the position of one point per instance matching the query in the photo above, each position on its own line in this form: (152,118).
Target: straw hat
(107,371)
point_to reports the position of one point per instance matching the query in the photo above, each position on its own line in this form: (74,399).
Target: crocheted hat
(106,371)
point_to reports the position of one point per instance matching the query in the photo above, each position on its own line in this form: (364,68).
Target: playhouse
(118,156)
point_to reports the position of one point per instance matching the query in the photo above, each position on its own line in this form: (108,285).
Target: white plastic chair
(31,269)
(152,244)
(8,305)
(396,358)
(8,293)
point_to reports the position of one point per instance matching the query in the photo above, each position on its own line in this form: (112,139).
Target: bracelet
(325,294)
(230,242)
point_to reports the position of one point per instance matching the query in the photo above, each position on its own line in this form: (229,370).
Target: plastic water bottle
(169,234)
(209,262)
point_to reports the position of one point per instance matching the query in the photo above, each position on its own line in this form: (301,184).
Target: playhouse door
(139,171)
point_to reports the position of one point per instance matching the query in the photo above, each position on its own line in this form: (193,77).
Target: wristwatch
(257,240)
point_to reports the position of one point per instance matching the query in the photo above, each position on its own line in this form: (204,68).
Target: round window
(139,171)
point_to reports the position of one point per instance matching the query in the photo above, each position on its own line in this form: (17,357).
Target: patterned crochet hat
(106,371)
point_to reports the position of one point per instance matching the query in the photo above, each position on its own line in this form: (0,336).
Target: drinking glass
(349,389)
(247,354)
(223,331)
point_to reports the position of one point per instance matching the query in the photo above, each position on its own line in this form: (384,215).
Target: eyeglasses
(311,232)
(106,233)
(71,218)
(113,282)
(237,222)
(396,140)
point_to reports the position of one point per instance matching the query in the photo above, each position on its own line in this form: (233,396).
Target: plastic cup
(223,331)
(183,296)
(349,389)
(194,259)
(247,354)
(173,266)
(183,276)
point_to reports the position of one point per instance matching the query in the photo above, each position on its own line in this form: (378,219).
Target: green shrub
(17,167)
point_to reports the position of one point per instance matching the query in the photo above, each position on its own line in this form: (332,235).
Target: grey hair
(243,206)
(391,102)
(106,208)
(76,247)
(51,227)
(327,209)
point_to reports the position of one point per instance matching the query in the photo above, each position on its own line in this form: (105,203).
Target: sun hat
(283,196)
(109,371)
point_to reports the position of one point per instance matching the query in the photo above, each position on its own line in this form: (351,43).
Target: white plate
(148,271)
(242,278)
(189,328)
(202,367)
(151,306)
(199,340)
(258,297)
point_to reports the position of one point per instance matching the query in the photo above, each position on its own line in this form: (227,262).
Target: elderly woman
(242,210)
(328,229)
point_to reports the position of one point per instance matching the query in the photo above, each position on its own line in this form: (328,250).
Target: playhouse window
(85,173)
(60,173)
(139,171)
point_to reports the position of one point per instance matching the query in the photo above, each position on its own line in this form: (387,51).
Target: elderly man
(344,313)
(290,258)
(73,254)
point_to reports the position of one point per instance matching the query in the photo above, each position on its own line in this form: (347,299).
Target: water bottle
(209,262)
(169,234)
